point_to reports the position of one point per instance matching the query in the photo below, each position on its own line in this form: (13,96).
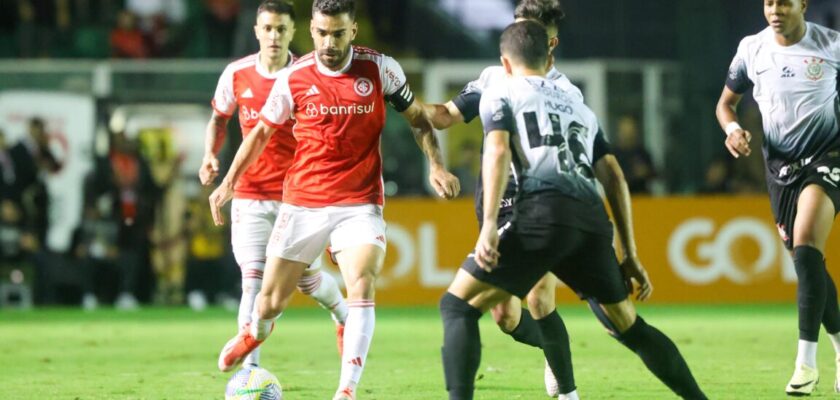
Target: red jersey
(340,116)
(246,83)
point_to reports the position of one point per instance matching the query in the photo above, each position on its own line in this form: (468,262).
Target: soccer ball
(253,384)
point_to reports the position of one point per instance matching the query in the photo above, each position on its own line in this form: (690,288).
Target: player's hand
(487,247)
(633,270)
(738,143)
(445,184)
(218,198)
(209,170)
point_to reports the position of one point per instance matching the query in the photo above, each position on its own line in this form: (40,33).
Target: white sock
(324,289)
(261,328)
(573,395)
(358,332)
(807,353)
(835,340)
(251,284)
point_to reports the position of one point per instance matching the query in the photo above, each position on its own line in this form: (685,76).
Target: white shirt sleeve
(224,100)
(392,75)
(279,106)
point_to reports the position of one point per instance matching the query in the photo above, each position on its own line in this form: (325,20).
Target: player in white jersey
(555,146)
(792,66)
(245,84)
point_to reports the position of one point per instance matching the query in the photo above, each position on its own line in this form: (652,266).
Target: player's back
(553,136)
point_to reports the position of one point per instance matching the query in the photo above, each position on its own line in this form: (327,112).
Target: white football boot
(803,382)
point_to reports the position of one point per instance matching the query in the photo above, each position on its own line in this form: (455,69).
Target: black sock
(811,290)
(831,315)
(555,345)
(527,331)
(461,350)
(661,357)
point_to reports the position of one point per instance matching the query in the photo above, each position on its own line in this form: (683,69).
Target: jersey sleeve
(737,80)
(468,100)
(395,85)
(496,113)
(224,100)
(601,147)
(279,105)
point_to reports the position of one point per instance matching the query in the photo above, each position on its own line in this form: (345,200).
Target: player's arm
(399,95)
(445,184)
(737,82)
(495,164)
(214,138)
(276,111)
(443,116)
(609,174)
(249,151)
(737,139)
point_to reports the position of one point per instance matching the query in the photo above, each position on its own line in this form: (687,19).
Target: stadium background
(651,70)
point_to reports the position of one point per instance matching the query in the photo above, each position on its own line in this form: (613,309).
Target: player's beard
(332,58)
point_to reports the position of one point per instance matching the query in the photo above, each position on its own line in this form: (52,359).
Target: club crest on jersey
(814,71)
(363,86)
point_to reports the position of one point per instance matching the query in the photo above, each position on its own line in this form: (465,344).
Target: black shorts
(530,247)
(824,172)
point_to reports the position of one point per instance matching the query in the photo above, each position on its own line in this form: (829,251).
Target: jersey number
(830,175)
(571,153)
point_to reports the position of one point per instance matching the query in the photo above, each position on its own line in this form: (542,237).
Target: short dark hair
(277,7)
(335,7)
(37,122)
(547,12)
(525,42)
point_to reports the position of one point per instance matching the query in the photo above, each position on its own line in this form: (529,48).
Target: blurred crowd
(117,28)
(141,238)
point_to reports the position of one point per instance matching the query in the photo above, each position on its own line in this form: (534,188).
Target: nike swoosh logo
(763,71)
(801,385)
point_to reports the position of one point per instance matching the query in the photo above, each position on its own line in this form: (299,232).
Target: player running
(560,224)
(333,190)
(246,83)
(792,66)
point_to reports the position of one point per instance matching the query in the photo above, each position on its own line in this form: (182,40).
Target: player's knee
(540,304)
(361,286)
(805,237)
(505,317)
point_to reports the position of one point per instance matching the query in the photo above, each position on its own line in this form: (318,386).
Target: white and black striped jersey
(467,103)
(555,137)
(796,90)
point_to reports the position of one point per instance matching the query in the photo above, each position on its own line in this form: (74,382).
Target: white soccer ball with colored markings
(253,384)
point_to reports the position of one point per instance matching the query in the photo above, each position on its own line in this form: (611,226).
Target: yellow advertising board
(696,249)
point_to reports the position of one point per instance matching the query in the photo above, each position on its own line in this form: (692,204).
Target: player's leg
(358,242)
(461,307)
(659,353)
(813,222)
(323,288)
(554,338)
(595,274)
(251,225)
(279,284)
(298,237)
(516,321)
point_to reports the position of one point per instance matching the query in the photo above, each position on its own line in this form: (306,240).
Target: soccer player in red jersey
(333,190)
(246,84)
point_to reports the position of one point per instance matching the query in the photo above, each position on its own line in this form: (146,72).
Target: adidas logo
(313,91)
(248,94)
(356,361)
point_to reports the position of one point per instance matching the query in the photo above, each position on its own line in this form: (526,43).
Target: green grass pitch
(736,352)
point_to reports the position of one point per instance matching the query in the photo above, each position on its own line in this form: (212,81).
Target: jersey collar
(268,75)
(326,71)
